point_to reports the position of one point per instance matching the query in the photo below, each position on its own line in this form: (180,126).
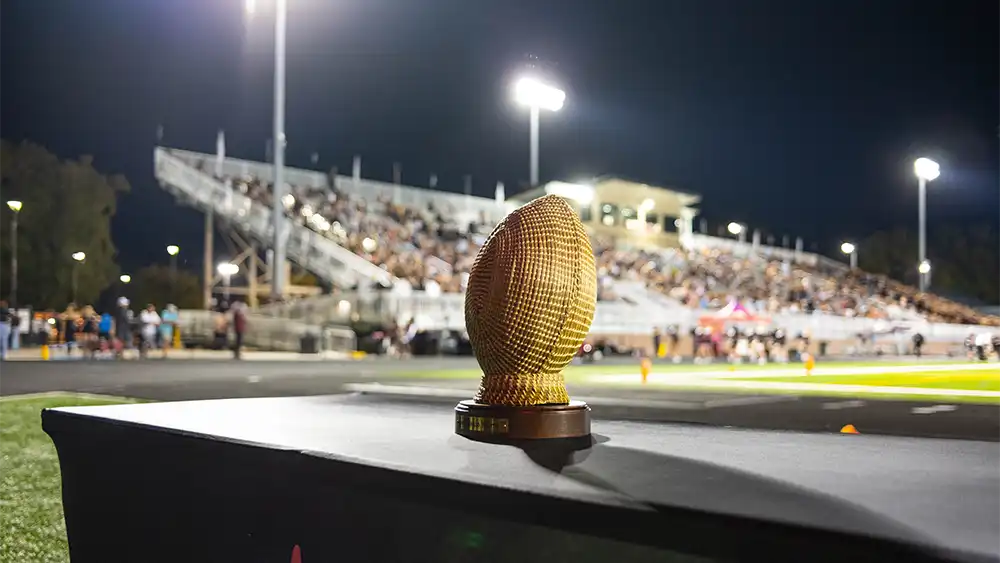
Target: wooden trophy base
(499,423)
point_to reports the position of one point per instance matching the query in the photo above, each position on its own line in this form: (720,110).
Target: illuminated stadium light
(537,95)
(847,248)
(14,205)
(125,278)
(926,169)
(735,228)
(646,205)
(228,269)
(79,256)
(580,193)
(924,267)
(534,93)
(173,249)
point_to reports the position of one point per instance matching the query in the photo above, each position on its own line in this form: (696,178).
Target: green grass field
(578,372)
(31,517)
(987,379)
(981,380)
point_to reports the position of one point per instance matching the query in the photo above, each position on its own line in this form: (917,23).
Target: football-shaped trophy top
(529,304)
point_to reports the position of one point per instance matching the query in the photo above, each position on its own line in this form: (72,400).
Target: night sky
(798,117)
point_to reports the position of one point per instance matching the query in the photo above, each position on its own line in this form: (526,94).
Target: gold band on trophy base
(498,423)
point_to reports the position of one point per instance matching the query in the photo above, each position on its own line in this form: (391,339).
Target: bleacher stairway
(318,254)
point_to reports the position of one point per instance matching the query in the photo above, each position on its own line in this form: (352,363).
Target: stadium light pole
(79,257)
(173,250)
(537,96)
(15,208)
(227,270)
(852,251)
(926,170)
(277,211)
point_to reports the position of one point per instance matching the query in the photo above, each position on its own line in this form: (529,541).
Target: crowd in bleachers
(431,252)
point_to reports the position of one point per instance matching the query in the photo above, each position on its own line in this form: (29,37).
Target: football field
(952,381)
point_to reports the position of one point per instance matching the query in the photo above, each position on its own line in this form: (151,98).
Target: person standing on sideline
(149,321)
(123,324)
(168,320)
(5,322)
(239,309)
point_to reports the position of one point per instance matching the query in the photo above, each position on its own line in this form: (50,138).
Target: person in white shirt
(983,343)
(149,321)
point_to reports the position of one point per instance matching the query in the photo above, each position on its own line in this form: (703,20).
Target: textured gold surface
(529,303)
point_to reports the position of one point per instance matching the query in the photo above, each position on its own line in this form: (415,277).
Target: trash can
(309,344)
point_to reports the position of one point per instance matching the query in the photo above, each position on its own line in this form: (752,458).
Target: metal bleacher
(183,174)
(180,174)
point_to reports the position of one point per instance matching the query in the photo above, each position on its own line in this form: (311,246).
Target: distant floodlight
(125,278)
(79,256)
(534,93)
(646,205)
(847,248)
(580,193)
(924,267)
(173,249)
(228,269)
(735,228)
(14,205)
(926,169)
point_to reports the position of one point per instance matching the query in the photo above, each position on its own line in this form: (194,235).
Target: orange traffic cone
(644,368)
(849,429)
(810,364)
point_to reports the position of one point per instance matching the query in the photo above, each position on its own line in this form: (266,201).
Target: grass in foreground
(31,515)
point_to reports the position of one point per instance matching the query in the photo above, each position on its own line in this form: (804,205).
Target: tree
(68,206)
(965,259)
(157,285)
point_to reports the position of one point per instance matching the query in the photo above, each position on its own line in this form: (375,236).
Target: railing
(446,311)
(461,208)
(309,249)
(267,333)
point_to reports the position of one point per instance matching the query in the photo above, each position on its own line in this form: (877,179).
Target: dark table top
(937,492)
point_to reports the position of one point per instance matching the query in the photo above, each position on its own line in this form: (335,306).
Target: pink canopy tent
(733,312)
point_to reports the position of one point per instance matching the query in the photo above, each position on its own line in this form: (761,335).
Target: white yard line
(820,387)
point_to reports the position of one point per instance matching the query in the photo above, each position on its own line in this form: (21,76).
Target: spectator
(240,311)
(168,323)
(149,324)
(5,326)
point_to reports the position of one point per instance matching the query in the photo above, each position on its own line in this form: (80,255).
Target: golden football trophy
(528,307)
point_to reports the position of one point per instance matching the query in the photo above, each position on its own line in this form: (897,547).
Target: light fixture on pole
(15,208)
(926,170)
(924,269)
(852,251)
(79,257)
(737,230)
(227,270)
(173,250)
(125,278)
(277,212)
(537,96)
